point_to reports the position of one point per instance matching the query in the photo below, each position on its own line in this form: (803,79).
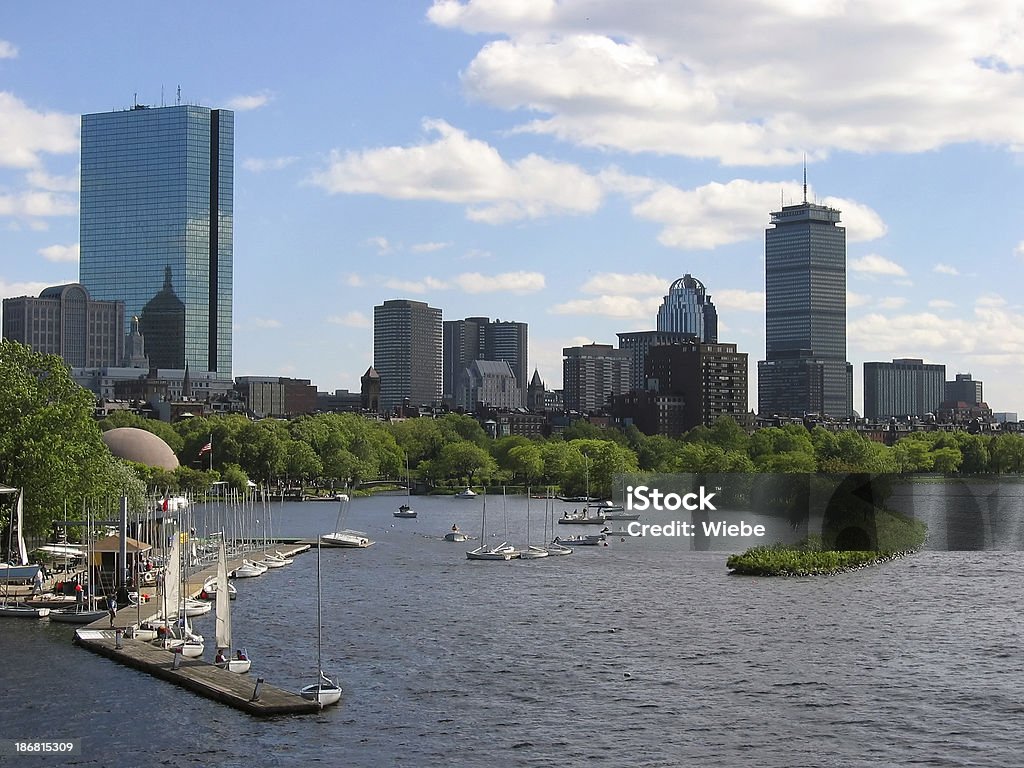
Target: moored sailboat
(223,631)
(324,691)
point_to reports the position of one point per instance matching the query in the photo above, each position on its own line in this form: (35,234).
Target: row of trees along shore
(51,446)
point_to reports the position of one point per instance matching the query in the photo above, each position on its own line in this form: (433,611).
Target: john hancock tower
(806,371)
(156,227)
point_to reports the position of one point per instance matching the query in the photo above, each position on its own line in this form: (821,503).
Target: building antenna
(805,177)
(162,104)
(179,95)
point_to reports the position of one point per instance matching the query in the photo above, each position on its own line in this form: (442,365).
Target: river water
(642,653)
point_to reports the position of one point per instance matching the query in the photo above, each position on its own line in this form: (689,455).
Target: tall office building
(688,309)
(156,227)
(407,353)
(964,389)
(805,370)
(65,321)
(905,387)
(640,343)
(594,373)
(480,338)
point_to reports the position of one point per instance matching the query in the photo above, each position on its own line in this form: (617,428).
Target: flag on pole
(206,448)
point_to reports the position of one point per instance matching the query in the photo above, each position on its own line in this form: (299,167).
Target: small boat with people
(466,493)
(455,534)
(582,540)
(581,517)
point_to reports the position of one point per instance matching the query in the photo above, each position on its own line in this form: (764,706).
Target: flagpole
(211,451)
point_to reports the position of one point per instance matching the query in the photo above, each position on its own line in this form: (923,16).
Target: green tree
(946,460)
(236,479)
(50,445)
(526,462)
(464,459)
(912,454)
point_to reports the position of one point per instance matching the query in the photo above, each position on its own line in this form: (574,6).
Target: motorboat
(582,540)
(466,493)
(455,535)
(580,517)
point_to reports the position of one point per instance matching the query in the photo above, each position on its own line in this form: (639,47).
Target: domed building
(688,309)
(140,446)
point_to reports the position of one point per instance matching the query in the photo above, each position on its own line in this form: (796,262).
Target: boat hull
(24,612)
(345,539)
(70,616)
(455,536)
(323,694)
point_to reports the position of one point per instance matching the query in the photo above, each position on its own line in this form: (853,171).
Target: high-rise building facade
(592,374)
(640,343)
(964,389)
(905,387)
(688,309)
(157,227)
(407,353)
(805,370)
(480,338)
(64,320)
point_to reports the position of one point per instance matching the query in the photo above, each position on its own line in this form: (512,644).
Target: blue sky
(556,163)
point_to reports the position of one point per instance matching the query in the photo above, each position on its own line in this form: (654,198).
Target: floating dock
(245,692)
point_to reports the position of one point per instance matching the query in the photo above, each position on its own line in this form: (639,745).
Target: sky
(556,162)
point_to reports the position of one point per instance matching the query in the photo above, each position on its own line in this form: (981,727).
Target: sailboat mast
(319,652)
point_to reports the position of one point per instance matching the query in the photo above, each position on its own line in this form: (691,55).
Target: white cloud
(892,302)
(417,286)
(26,133)
(37,204)
(620,307)
(873,264)
(618,283)
(266,322)
(856,299)
(261,164)
(1019,250)
(517,283)
(941,304)
(990,300)
(429,247)
(458,169)
(354,281)
(8,50)
(736,298)
(380,243)
(945,269)
(60,253)
(351,320)
(750,81)
(42,180)
(14,290)
(719,214)
(249,102)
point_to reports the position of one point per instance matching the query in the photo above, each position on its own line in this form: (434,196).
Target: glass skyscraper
(156,227)
(688,309)
(805,370)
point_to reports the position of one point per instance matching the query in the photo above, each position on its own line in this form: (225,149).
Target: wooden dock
(245,692)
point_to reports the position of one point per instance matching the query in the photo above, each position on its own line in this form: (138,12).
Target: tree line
(51,446)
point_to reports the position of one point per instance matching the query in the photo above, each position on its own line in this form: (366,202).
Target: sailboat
(344,537)
(191,644)
(532,551)
(324,691)
(84,612)
(503,551)
(406,510)
(18,571)
(556,547)
(224,616)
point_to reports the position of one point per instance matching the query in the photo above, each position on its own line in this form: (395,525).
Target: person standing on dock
(112,608)
(37,582)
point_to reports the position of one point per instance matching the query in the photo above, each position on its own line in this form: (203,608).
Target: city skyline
(558,163)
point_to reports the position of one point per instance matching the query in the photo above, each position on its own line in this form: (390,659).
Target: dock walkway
(244,692)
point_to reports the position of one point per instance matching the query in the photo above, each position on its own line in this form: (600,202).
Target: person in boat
(455,528)
(241,656)
(221,658)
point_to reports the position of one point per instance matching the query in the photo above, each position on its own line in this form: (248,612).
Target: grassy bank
(896,536)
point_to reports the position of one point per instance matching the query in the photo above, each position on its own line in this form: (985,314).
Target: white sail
(172,578)
(223,599)
(22,552)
